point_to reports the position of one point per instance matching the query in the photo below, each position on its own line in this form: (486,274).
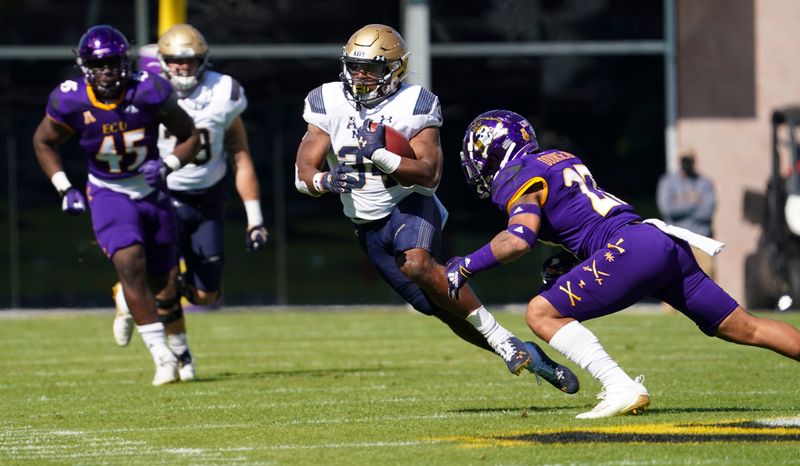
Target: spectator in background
(687,199)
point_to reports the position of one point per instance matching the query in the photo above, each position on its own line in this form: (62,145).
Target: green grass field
(380,386)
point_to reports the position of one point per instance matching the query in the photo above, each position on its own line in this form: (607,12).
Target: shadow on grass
(529,409)
(335,373)
(651,411)
(724,409)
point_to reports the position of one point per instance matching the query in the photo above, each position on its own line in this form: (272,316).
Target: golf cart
(772,271)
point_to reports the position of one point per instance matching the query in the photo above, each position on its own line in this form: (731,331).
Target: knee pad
(168,303)
(172,316)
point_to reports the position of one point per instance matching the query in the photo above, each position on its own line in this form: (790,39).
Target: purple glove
(457,275)
(155,173)
(370,141)
(73,202)
(256,238)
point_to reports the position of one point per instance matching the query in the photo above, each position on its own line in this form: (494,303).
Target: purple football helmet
(492,140)
(102,56)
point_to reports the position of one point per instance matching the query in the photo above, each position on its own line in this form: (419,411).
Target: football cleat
(632,400)
(186,366)
(555,374)
(513,352)
(166,369)
(123,321)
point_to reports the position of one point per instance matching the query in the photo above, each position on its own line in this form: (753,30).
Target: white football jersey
(409,110)
(213,105)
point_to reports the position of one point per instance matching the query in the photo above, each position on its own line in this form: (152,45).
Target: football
(396,142)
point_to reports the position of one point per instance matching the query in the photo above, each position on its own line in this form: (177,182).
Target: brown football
(396,142)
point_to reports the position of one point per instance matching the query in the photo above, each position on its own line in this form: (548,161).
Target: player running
(391,200)
(115,115)
(551,196)
(215,102)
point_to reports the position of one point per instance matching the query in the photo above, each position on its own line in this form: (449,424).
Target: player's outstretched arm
(513,242)
(246,182)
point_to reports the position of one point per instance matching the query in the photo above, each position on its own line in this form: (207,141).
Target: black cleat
(514,353)
(557,375)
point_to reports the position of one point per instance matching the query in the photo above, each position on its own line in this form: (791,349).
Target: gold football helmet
(183,41)
(374,63)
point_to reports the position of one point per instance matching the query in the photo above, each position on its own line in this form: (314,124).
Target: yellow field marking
(739,430)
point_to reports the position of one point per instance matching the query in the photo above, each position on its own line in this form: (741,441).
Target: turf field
(380,386)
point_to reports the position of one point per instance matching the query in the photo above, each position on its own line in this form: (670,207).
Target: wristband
(526,209)
(317,180)
(172,161)
(386,160)
(60,181)
(522,232)
(252,208)
(481,259)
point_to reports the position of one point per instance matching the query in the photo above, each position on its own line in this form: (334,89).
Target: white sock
(154,340)
(581,346)
(178,343)
(485,323)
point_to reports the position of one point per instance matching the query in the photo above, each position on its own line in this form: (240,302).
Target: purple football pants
(119,222)
(641,261)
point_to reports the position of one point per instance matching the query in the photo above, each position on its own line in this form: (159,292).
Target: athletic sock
(178,343)
(581,346)
(154,340)
(485,323)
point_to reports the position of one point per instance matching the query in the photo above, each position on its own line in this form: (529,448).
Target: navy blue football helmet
(102,56)
(492,140)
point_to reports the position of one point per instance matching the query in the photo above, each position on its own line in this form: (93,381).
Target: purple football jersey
(623,260)
(576,213)
(117,137)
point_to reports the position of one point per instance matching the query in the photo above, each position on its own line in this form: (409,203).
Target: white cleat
(186,367)
(123,322)
(186,373)
(632,400)
(166,369)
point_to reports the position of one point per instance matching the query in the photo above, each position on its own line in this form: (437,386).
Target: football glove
(73,202)
(370,141)
(155,173)
(256,238)
(458,274)
(342,179)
